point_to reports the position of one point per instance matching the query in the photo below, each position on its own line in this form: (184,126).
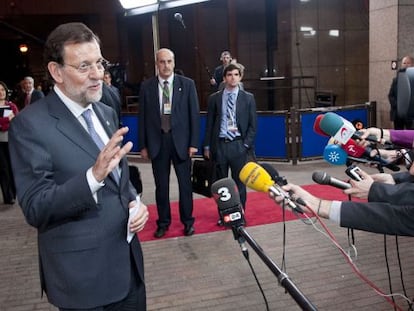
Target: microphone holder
(282,277)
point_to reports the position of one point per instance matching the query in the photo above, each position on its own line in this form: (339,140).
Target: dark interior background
(264,35)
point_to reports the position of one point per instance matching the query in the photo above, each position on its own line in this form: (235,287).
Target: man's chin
(95,97)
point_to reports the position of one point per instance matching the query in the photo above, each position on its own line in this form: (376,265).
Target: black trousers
(232,155)
(8,187)
(161,168)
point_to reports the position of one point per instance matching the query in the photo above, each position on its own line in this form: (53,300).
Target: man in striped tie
(230,128)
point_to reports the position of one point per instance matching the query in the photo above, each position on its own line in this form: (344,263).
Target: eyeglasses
(86,67)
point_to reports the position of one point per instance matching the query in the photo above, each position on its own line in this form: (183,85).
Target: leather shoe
(160,232)
(188,230)
(220,223)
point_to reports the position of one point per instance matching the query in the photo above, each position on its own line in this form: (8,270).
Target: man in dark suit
(217,77)
(29,94)
(230,128)
(73,183)
(169,132)
(400,123)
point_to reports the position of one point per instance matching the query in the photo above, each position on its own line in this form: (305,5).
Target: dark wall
(260,34)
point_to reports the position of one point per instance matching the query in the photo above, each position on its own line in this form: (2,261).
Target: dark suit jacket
(218,76)
(111,98)
(84,257)
(245,116)
(392,97)
(185,116)
(390,209)
(36,95)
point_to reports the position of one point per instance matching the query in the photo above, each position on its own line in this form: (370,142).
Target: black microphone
(323,178)
(280,180)
(179,17)
(227,197)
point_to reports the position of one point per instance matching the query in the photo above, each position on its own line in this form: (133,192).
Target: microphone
(337,127)
(226,195)
(340,155)
(317,127)
(323,178)
(341,129)
(179,17)
(335,155)
(356,151)
(255,177)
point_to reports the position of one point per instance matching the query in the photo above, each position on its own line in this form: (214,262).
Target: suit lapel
(69,126)
(177,92)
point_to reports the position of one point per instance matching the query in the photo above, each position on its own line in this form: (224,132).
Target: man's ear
(55,71)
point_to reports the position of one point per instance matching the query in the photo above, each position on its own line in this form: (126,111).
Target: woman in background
(7,112)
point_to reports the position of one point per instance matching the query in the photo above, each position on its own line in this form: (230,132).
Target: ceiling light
(130,4)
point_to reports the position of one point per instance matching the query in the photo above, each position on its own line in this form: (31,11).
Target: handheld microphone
(179,17)
(356,151)
(317,126)
(255,177)
(335,155)
(280,180)
(323,178)
(227,197)
(337,127)
(341,129)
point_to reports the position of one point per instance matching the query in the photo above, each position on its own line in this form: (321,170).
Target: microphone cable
(410,304)
(351,240)
(246,255)
(333,239)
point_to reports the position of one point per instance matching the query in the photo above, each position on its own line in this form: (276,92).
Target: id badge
(167,108)
(231,126)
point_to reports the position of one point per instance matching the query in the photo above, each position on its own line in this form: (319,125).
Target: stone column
(390,38)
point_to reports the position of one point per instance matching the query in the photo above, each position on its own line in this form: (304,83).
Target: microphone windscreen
(321,178)
(334,154)
(274,174)
(225,193)
(331,123)
(353,149)
(317,126)
(255,177)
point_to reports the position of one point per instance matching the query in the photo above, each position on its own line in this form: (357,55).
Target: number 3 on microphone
(224,193)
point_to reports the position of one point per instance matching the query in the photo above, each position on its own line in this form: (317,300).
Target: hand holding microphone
(255,177)
(360,189)
(342,130)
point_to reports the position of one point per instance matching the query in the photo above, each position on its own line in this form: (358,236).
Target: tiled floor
(209,272)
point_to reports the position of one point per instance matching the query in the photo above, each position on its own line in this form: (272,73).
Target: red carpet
(260,210)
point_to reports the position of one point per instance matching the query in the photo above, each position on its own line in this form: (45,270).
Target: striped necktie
(231,117)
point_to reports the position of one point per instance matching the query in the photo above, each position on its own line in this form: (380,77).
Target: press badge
(231,125)
(167,108)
